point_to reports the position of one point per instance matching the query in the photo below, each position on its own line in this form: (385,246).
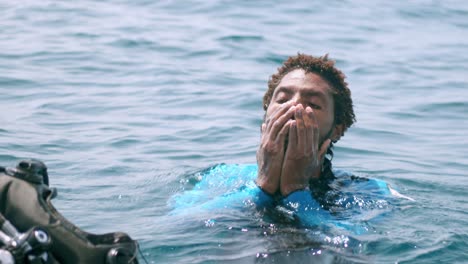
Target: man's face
(308,89)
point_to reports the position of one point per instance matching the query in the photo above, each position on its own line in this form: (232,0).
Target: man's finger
(301,131)
(308,118)
(277,113)
(280,139)
(324,148)
(292,144)
(315,132)
(280,122)
(309,138)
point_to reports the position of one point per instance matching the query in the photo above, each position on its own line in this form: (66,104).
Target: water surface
(123,100)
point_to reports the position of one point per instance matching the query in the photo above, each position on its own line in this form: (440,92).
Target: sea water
(126,100)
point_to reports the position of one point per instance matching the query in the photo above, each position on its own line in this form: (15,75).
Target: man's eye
(281,100)
(314,106)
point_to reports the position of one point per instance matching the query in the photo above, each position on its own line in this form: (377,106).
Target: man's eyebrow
(284,89)
(289,90)
(319,94)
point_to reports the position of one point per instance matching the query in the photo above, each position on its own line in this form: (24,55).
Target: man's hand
(270,154)
(304,157)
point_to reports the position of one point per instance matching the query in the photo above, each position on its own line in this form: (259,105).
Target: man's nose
(297,100)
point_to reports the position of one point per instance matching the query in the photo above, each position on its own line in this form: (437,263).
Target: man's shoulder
(355,182)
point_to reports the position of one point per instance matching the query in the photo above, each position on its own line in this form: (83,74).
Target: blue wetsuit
(233,187)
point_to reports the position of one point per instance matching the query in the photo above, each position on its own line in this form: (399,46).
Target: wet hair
(344,113)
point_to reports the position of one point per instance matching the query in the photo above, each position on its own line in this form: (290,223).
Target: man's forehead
(300,78)
(295,74)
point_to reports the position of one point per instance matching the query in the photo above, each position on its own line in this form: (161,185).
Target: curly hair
(344,113)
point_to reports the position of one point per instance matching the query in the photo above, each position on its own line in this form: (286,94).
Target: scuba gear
(33,231)
(32,245)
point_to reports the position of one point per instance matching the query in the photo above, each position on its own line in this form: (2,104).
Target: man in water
(291,201)
(308,108)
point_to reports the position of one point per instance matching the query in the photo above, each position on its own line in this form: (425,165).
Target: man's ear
(337,133)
